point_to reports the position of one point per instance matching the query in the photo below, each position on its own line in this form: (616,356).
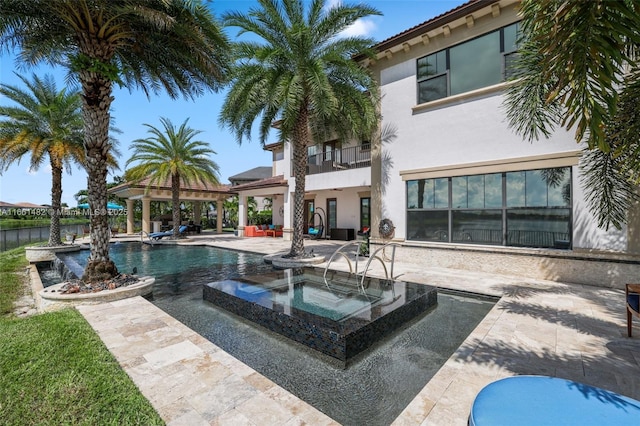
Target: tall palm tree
(173,155)
(578,68)
(43,122)
(302,75)
(175,45)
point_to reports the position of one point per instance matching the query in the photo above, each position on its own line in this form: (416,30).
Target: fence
(12,238)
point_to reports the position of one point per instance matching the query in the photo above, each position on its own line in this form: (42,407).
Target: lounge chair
(160,235)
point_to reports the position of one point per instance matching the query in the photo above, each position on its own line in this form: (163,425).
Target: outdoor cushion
(633,299)
(542,400)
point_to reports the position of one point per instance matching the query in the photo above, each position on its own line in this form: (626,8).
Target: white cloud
(47,170)
(361,28)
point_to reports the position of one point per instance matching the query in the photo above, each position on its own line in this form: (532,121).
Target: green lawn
(55,370)
(12,266)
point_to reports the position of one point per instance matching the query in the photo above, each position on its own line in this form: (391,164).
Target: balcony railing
(353,157)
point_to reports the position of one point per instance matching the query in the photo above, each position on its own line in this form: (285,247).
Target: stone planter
(43,254)
(50,299)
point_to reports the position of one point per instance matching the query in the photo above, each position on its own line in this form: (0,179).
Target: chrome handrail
(374,256)
(340,251)
(148,236)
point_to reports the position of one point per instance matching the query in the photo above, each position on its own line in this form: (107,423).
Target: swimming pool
(376,385)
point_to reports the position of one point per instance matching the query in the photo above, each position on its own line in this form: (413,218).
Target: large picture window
(477,63)
(529,208)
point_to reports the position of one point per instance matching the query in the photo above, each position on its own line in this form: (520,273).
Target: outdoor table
(542,400)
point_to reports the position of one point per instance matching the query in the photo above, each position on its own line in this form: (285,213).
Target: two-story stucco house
(459,187)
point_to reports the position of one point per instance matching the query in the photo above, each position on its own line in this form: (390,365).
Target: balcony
(353,157)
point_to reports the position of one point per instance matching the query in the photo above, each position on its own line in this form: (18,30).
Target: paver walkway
(538,327)
(189,380)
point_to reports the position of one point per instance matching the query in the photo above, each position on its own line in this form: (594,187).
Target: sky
(132,109)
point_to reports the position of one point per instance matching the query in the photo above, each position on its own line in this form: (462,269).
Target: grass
(54,369)
(12,264)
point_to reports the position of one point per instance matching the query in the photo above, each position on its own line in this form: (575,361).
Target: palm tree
(231,210)
(44,123)
(578,69)
(302,75)
(172,155)
(151,44)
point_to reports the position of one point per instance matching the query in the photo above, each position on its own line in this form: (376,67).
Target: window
(365,213)
(510,49)
(529,208)
(432,76)
(477,63)
(332,214)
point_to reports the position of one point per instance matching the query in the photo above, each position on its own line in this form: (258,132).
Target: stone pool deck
(571,331)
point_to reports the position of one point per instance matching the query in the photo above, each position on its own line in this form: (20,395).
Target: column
(197,212)
(633,228)
(130,217)
(219,215)
(242,214)
(287,228)
(146,214)
(376,183)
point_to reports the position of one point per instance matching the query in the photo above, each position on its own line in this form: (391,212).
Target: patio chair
(316,233)
(160,235)
(632,293)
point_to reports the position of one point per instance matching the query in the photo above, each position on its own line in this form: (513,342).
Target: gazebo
(194,192)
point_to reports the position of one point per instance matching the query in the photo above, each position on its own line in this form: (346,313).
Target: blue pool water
(178,268)
(376,385)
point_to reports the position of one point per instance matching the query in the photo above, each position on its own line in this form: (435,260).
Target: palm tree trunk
(56,196)
(95,108)
(175,200)
(300,142)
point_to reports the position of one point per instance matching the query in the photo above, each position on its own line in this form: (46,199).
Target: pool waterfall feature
(51,277)
(57,270)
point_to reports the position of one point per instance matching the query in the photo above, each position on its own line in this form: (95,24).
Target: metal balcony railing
(353,157)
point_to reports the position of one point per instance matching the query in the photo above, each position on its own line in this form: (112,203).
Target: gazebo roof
(194,191)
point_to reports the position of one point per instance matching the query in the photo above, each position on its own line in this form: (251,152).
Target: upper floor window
(480,62)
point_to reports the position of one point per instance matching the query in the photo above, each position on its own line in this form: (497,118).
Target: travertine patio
(538,327)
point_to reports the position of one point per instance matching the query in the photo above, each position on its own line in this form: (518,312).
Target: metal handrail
(340,251)
(374,256)
(142,233)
